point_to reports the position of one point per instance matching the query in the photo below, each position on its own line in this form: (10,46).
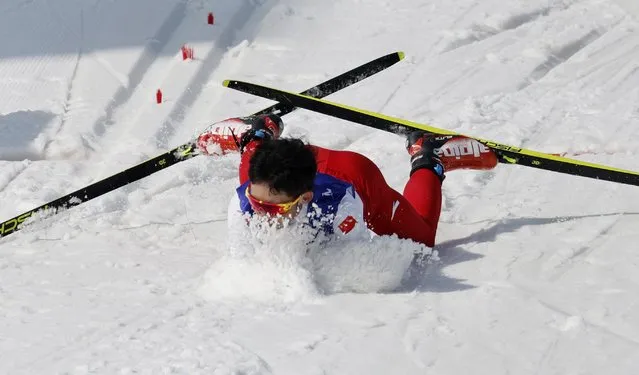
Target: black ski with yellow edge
(189,150)
(505,153)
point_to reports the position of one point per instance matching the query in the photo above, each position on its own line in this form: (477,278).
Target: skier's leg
(249,150)
(424,193)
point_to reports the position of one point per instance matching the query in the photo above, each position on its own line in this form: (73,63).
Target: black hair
(287,165)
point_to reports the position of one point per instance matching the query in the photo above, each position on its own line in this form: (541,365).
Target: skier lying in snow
(341,192)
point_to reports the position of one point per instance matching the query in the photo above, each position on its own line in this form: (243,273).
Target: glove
(234,134)
(262,127)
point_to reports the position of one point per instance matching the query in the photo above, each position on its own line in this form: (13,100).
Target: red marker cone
(187,52)
(158,96)
(211,20)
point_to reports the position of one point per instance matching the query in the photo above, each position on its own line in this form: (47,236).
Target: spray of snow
(262,263)
(377,265)
(291,264)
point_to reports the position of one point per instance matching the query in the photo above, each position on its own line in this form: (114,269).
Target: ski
(505,153)
(189,150)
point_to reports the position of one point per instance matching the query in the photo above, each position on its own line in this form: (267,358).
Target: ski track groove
(603,65)
(556,59)
(624,57)
(482,32)
(568,263)
(511,23)
(69,95)
(542,363)
(209,66)
(402,82)
(16,174)
(147,58)
(560,56)
(193,89)
(460,78)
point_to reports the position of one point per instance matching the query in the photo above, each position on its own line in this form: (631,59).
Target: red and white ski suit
(412,215)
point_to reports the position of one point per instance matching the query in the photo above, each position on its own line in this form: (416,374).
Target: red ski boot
(453,151)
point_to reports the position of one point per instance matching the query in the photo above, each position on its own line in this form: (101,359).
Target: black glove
(262,127)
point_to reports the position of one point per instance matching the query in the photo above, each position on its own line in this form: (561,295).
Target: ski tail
(505,153)
(188,150)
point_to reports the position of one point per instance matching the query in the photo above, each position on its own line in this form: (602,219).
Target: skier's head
(281,174)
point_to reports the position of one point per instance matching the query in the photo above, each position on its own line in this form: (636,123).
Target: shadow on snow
(432,278)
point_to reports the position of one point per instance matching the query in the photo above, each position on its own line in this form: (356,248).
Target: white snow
(536,271)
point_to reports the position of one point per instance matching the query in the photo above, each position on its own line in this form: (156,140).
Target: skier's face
(266,201)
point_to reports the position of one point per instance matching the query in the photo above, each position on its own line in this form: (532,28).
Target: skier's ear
(307,197)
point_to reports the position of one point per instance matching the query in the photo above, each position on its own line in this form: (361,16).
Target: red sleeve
(249,150)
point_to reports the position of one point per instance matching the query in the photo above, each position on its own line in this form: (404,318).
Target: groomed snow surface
(537,272)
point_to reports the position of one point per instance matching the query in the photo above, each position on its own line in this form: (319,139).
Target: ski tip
(226,83)
(401,55)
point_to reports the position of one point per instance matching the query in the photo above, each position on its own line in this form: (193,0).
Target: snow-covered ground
(537,271)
